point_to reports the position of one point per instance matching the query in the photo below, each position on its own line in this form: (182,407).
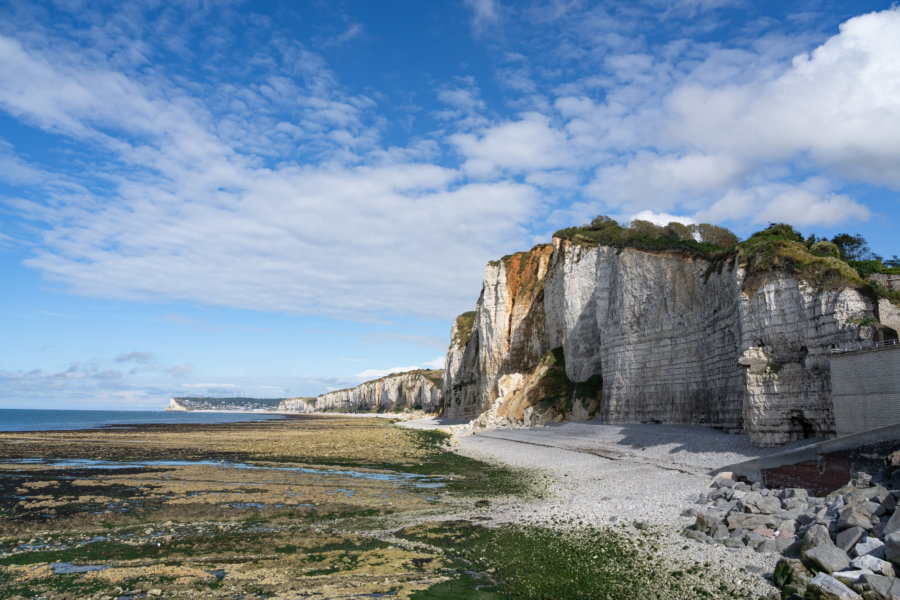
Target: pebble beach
(611,475)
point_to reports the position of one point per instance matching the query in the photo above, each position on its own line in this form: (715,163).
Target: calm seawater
(16,419)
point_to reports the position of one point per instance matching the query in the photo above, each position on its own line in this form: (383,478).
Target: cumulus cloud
(660,218)
(805,204)
(662,182)
(726,138)
(529,144)
(838,103)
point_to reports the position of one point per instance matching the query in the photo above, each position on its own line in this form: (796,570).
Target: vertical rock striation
(675,339)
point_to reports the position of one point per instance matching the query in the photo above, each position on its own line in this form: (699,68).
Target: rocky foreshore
(844,546)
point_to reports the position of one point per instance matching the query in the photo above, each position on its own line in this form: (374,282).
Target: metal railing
(857,346)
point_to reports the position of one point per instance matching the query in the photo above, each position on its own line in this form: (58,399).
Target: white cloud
(465,97)
(195,216)
(465,106)
(484,14)
(719,133)
(300,242)
(840,104)
(660,218)
(802,207)
(528,144)
(804,204)
(690,8)
(662,182)
(353,31)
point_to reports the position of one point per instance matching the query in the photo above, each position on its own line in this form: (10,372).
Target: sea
(18,419)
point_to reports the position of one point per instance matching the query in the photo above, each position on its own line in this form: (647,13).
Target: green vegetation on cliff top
(702,241)
(844,260)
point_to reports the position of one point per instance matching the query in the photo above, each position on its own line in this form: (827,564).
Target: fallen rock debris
(844,546)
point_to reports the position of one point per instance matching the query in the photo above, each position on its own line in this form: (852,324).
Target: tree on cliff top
(704,238)
(853,247)
(781,230)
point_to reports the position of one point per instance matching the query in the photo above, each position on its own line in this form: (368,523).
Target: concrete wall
(890,281)
(865,389)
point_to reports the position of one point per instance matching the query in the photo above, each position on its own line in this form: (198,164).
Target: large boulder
(708,522)
(757,503)
(848,538)
(893,523)
(851,517)
(739,520)
(892,547)
(826,587)
(816,535)
(827,557)
(870,546)
(883,586)
(790,570)
(876,565)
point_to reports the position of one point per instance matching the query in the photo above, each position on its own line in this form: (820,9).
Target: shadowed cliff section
(681,324)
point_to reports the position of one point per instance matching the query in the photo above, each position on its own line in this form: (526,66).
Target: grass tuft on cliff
(765,251)
(465,324)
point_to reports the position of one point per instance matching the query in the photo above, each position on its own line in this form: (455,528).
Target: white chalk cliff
(413,390)
(675,339)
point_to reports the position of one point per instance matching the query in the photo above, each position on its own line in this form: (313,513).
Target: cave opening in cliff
(802,425)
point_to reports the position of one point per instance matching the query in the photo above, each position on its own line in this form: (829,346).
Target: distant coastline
(232,404)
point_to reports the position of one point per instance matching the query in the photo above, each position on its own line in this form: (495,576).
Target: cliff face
(414,390)
(674,339)
(192,403)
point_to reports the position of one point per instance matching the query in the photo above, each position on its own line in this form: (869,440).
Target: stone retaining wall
(865,389)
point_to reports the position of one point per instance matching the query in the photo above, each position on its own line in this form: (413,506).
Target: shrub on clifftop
(704,240)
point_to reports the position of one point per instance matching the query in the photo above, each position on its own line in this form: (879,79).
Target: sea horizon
(53,419)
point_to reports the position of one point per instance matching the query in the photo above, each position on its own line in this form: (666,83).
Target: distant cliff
(399,392)
(190,403)
(737,339)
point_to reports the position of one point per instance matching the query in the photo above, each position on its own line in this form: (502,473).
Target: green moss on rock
(465,324)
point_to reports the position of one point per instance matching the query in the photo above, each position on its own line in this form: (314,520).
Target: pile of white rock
(845,546)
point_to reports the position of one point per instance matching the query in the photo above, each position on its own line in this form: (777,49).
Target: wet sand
(320,507)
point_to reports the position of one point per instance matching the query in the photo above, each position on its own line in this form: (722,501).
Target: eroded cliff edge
(399,392)
(570,330)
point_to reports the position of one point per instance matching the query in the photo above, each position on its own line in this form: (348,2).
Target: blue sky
(281,198)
